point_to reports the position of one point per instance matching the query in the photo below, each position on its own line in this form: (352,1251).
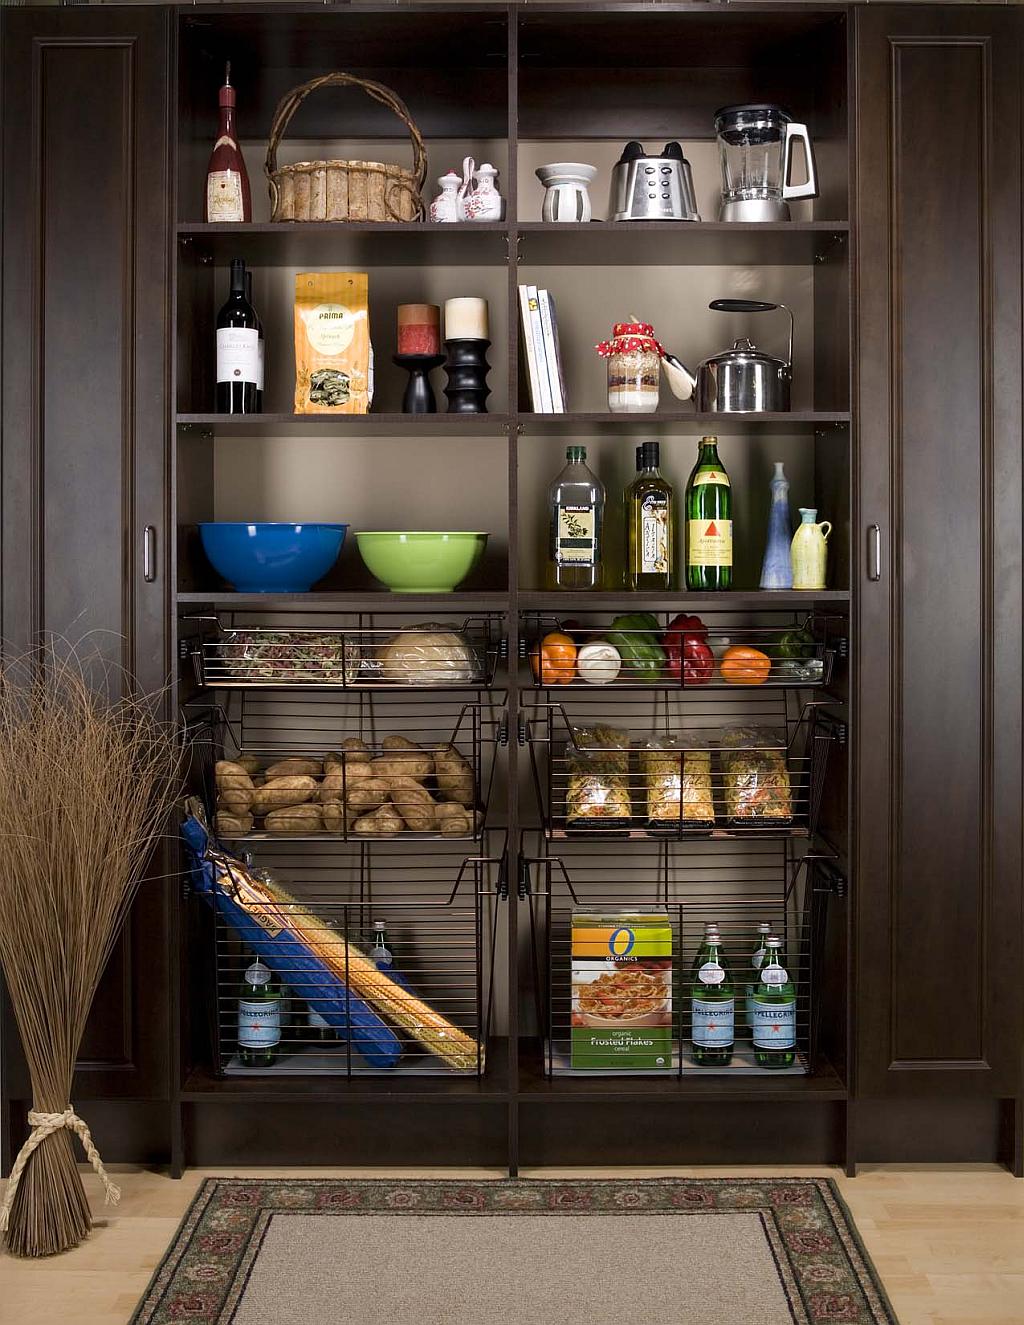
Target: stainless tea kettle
(741,379)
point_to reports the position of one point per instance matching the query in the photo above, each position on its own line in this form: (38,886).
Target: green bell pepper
(635,635)
(796,643)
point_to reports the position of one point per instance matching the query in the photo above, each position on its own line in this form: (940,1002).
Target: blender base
(754,209)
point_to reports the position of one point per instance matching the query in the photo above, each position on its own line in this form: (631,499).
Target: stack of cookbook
(539,325)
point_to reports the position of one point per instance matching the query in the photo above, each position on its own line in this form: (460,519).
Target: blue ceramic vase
(777,569)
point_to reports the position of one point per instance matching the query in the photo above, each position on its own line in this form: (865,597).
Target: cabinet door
(937,803)
(85,422)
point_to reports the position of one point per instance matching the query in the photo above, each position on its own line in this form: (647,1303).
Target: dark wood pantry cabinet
(895,875)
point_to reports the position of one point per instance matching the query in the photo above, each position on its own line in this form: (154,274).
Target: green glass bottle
(713,1008)
(650,524)
(708,521)
(259,1017)
(774,1009)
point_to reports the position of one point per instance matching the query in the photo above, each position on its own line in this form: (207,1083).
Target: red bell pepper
(688,655)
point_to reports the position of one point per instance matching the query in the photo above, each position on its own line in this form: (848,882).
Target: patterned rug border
(235,1212)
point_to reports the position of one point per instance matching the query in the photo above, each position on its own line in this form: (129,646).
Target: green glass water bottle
(259,1017)
(756,962)
(713,1008)
(774,1007)
(708,521)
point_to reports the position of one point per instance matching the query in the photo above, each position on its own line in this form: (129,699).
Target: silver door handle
(874,552)
(149,553)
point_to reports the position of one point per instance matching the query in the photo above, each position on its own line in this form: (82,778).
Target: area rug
(765,1251)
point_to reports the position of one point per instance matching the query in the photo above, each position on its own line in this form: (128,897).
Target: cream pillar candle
(465,319)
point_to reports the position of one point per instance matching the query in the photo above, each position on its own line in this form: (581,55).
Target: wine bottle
(708,521)
(650,529)
(227,180)
(576,516)
(238,349)
(262,343)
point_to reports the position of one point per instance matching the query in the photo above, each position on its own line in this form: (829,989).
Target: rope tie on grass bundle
(44,1125)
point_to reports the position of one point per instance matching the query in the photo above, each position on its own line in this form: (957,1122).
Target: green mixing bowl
(420,562)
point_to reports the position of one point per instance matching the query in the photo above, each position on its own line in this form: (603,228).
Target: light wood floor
(948,1242)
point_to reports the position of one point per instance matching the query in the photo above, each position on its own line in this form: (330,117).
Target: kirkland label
(259,1024)
(654,535)
(224,196)
(709,542)
(574,542)
(714,1023)
(774,1024)
(238,354)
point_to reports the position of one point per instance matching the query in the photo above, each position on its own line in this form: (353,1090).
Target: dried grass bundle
(86,784)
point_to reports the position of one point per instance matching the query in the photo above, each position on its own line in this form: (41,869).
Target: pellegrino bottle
(708,521)
(774,1010)
(650,524)
(713,1008)
(259,1017)
(756,962)
(711,934)
(576,517)
(381,956)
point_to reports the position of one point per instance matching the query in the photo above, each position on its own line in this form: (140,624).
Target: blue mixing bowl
(272,558)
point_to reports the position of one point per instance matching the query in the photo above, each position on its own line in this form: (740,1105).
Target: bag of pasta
(755,778)
(333,354)
(598,794)
(677,785)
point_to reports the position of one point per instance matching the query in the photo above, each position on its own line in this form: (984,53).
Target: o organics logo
(620,944)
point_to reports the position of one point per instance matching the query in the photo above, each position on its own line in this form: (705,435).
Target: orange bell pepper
(745,666)
(554,659)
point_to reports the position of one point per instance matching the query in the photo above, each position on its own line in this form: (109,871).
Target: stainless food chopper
(755,147)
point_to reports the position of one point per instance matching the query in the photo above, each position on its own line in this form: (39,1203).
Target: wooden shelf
(799,420)
(202,1087)
(376,425)
(657,243)
(330,243)
(731,600)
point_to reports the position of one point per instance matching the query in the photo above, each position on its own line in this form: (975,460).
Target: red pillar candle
(419,329)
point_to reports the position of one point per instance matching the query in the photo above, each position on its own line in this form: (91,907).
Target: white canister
(566,190)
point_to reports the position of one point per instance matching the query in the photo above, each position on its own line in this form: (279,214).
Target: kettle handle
(810,189)
(755,306)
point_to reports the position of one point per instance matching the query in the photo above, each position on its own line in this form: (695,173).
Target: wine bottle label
(713,1024)
(718,476)
(774,1024)
(259,1023)
(709,542)
(259,364)
(238,354)
(654,535)
(575,538)
(224,196)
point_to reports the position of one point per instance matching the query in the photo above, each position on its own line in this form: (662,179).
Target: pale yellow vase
(809,550)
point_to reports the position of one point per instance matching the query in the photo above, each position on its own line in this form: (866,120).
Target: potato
(335,782)
(250,763)
(367,794)
(385,822)
(418,764)
(276,793)
(290,767)
(335,818)
(294,819)
(235,790)
(453,820)
(414,803)
(354,750)
(227,824)
(454,776)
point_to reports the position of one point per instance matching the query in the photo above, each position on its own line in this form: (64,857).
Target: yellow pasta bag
(333,354)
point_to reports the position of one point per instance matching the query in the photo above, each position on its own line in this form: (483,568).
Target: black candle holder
(419,394)
(467,370)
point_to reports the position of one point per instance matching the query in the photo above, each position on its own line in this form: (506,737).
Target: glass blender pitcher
(755,146)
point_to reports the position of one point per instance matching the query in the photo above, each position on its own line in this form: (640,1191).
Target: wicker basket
(344,190)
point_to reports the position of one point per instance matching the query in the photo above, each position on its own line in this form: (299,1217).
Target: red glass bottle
(227,180)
